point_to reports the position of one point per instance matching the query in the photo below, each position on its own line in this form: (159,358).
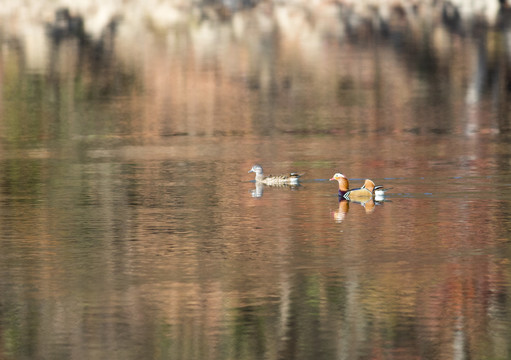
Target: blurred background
(235,67)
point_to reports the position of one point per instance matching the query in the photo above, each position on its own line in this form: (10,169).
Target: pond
(130,227)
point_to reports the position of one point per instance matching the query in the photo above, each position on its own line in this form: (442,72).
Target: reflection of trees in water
(93,57)
(310,63)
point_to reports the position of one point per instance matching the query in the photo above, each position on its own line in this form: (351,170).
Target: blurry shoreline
(133,21)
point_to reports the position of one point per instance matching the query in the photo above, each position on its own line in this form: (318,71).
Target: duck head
(344,184)
(258,169)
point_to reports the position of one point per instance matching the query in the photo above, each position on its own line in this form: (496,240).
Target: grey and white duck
(291,179)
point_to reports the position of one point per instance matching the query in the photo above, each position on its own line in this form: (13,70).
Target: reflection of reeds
(335,69)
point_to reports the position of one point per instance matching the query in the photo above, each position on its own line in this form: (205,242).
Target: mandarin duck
(291,179)
(361,194)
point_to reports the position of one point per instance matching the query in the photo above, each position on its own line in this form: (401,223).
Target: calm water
(130,228)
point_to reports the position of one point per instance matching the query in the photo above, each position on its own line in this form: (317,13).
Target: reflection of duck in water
(258,191)
(344,207)
(340,214)
(291,179)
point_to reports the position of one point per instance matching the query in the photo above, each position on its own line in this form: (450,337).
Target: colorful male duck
(361,194)
(291,179)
